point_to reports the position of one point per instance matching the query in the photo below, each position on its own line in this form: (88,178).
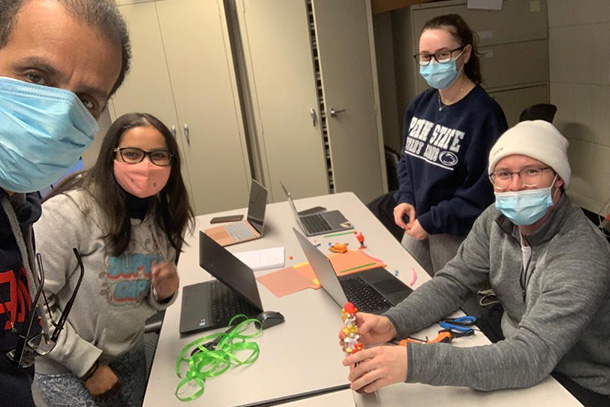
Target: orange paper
(301,276)
(285,281)
(350,262)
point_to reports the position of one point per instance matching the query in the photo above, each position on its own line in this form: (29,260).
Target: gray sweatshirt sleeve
(545,334)
(449,288)
(60,229)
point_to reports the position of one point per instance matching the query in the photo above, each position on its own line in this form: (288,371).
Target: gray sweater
(115,296)
(563,324)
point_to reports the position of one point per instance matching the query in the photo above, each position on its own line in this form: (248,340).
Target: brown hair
(458,28)
(171,208)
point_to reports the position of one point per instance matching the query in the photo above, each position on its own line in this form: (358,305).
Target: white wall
(91,153)
(579,43)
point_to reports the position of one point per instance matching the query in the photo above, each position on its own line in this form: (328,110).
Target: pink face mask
(142,179)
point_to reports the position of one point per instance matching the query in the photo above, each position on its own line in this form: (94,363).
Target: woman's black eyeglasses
(134,155)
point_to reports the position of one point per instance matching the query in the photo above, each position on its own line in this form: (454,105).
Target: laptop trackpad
(388,286)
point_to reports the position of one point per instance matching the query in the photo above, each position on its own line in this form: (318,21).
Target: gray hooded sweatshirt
(560,322)
(115,297)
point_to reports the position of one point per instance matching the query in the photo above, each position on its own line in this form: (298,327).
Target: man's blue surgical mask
(524,207)
(440,76)
(43,132)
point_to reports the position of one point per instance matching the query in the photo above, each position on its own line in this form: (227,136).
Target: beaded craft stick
(351,345)
(351,338)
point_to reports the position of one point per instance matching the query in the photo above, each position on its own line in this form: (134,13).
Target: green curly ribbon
(211,363)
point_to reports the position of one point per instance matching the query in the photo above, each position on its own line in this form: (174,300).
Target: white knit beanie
(537,139)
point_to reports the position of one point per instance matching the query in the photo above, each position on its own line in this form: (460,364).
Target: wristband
(91,371)
(156,297)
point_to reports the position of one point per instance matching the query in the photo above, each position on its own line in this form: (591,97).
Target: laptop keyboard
(363,296)
(316,223)
(240,231)
(226,304)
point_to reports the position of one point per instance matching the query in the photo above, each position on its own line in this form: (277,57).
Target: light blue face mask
(440,76)
(43,132)
(524,207)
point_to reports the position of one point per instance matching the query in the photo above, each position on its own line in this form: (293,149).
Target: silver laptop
(212,304)
(375,290)
(318,223)
(249,229)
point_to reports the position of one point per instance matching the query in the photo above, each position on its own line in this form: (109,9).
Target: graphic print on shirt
(127,277)
(16,301)
(434,143)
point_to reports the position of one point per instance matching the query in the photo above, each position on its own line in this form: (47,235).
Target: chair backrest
(541,111)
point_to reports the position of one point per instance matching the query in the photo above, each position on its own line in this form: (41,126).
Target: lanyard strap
(208,363)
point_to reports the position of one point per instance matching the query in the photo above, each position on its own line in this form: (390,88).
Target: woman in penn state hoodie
(127,217)
(447,134)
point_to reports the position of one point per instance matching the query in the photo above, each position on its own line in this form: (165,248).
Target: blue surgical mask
(524,207)
(439,76)
(43,132)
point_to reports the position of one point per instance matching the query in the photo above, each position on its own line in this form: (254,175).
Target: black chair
(541,111)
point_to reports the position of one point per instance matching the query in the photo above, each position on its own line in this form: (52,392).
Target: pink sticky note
(285,281)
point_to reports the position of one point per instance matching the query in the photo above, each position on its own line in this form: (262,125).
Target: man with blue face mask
(60,61)
(549,266)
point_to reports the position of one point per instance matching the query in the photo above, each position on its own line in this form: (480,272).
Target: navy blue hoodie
(443,166)
(16,302)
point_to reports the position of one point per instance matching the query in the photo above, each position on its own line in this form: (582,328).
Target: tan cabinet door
(147,87)
(303,57)
(182,72)
(202,77)
(344,35)
(282,83)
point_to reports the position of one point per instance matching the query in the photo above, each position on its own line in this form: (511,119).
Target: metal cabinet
(513,46)
(313,88)
(182,72)
(275,89)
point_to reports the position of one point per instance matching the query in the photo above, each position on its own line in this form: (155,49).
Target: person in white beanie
(548,265)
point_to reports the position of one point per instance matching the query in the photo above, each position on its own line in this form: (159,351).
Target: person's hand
(102,381)
(165,279)
(377,367)
(373,329)
(402,210)
(417,232)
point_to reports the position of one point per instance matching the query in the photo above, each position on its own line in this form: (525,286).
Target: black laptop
(375,290)
(212,304)
(318,223)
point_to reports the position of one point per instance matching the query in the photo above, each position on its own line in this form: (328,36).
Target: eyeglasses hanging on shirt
(29,345)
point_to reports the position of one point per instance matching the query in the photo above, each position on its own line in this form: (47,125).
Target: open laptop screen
(228,269)
(290,202)
(257,206)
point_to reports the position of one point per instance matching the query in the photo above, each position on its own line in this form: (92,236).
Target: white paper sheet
(263,259)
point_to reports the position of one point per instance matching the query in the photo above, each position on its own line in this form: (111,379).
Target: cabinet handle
(186,134)
(174,131)
(334,112)
(314,117)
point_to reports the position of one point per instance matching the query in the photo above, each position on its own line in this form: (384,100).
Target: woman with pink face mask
(127,217)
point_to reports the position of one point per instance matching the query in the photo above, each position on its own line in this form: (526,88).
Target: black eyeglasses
(442,57)
(29,347)
(134,155)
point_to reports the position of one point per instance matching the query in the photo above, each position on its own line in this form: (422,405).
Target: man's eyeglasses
(529,177)
(134,155)
(40,344)
(442,57)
